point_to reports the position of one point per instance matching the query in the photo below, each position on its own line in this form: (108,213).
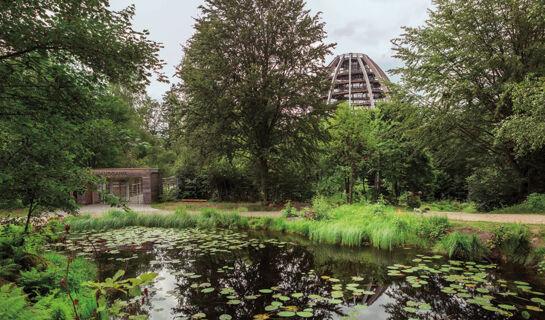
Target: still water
(222,274)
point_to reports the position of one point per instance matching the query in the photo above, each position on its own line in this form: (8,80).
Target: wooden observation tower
(356,78)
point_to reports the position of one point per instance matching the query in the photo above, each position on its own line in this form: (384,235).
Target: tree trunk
(377,185)
(351,186)
(30,209)
(264,178)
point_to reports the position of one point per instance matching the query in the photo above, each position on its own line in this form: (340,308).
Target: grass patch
(13,213)
(459,246)
(198,206)
(208,218)
(450,206)
(513,242)
(380,226)
(348,225)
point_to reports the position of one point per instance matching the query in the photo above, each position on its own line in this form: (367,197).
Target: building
(134,185)
(356,78)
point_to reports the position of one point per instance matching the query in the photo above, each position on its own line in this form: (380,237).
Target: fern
(14,305)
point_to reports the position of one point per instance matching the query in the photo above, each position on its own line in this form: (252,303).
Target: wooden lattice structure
(356,78)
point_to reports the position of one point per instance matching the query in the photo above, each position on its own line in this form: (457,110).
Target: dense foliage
(56,60)
(252,75)
(472,81)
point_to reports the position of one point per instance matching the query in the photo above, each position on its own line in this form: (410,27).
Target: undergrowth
(35,289)
(349,225)
(513,242)
(534,203)
(464,247)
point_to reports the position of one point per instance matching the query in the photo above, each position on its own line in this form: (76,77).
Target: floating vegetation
(474,283)
(222,274)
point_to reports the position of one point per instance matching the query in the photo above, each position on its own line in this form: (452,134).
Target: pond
(221,274)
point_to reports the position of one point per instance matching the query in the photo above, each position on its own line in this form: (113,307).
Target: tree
(353,140)
(253,75)
(56,59)
(526,126)
(458,68)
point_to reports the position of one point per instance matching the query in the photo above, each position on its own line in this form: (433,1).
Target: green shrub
(433,228)
(513,241)
(120,213)
(535,202)
(288,211)
(463,247)
(171,194)
(491,188)
(321,208)
(413,201)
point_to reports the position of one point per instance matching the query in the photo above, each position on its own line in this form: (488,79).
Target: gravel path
(492,217)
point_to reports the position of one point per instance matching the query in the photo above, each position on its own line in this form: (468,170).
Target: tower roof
(356,78)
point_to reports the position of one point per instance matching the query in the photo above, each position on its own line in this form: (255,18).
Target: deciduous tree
(253,75)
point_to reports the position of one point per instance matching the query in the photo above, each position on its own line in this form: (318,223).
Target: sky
(363,26)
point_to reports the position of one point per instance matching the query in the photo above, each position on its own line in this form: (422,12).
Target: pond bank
(352,227)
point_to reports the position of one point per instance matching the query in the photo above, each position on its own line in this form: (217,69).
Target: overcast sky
(364,26)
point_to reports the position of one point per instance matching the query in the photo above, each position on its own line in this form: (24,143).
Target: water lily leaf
(534,308)
(270,308)
(507,307)
(361,307)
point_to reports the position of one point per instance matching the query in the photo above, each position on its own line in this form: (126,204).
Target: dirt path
(492,217)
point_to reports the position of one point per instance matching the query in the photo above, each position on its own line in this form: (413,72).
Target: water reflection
(286,266)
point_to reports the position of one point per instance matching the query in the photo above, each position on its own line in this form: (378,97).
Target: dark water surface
(216,274)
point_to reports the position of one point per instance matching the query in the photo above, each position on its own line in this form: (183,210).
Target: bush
(171,194)
(321,208)
(379,207)
(433,228)
(535,202)
(513,241)
(288,211)
(413,201)
(463,247)
(491,188)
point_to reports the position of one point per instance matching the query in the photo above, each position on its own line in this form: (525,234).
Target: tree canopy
(253,75)
(57,59)
(460,68)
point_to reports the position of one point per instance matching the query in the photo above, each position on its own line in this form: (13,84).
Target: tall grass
(353,225)
(513,242)
(349,225)
(459,246)
(179,220)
